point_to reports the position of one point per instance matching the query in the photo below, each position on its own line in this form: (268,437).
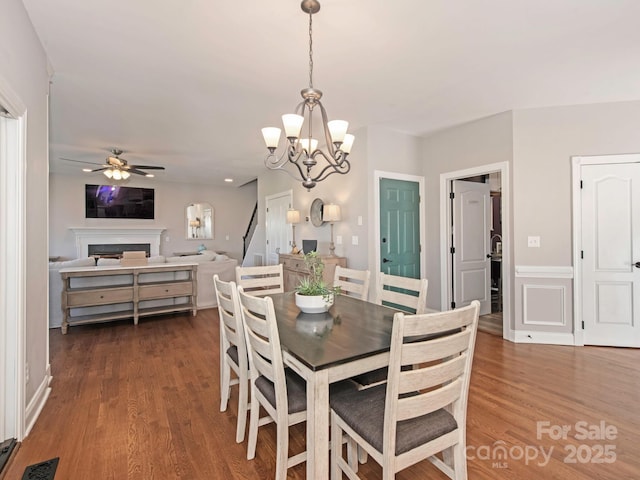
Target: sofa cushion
(205,257)
(116,261)
(78,262)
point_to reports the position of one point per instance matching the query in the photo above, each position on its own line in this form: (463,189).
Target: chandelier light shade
(301,152)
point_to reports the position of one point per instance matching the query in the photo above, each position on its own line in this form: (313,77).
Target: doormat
(6,448)
(41,471)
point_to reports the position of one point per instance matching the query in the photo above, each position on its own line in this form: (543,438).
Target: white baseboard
(548,338)
(36,404)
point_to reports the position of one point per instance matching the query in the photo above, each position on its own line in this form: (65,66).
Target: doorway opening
(489,278)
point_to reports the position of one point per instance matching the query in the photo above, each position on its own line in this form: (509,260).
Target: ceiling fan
(117,168)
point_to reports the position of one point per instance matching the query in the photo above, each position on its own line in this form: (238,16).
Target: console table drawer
(295,263)
(147,292)
(99,297)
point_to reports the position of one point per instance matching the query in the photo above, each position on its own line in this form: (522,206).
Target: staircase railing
(246,239)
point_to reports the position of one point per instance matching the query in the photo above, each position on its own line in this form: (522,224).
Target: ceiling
(189,84)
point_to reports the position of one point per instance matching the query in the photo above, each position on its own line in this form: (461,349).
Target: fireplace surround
(86,236)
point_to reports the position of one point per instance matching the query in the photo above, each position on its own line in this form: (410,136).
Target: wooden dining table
(353,337)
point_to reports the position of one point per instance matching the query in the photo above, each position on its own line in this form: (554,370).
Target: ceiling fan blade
(147,167)
(136,171)
(98,169)
(79,161)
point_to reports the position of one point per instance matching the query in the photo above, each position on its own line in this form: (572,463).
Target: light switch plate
(359,220)
(338,239)
(354,240)
(533,242)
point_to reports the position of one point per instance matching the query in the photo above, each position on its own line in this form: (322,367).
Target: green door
(400,228)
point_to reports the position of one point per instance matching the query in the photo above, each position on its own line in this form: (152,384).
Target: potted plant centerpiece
(313,295)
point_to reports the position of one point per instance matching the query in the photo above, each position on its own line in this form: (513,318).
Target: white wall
(483,142)
(544,141)
(232,209)
(24,71)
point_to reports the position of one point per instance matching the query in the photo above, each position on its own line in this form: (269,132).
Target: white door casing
(610,248)
(471,227)
(278,233)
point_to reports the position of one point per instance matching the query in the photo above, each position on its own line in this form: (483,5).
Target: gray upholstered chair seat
(233,354)
(296,391)
(363,411)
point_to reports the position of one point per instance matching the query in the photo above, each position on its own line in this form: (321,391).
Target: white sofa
(209,264)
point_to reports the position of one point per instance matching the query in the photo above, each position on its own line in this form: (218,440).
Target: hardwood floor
(143,403)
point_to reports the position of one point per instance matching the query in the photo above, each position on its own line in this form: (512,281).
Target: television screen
(114,201)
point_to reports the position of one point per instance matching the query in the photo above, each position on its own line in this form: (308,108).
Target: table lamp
(293,217)
(331,214)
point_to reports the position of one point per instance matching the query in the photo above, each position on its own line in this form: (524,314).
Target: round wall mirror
(315,212)
(199,221)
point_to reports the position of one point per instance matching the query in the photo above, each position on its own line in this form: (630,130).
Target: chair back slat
(436,349)
(352,282)
(262,280)
(439,322)
(403,293)
(422,378)
(416,406)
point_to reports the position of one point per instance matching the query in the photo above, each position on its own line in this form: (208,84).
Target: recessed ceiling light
(88,170)
(149,175)
(228,180)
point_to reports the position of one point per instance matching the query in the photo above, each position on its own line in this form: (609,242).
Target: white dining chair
(352,282)
(402,293)
(420,411)
(281,394)
(233,352)
(406,294)
(262,280)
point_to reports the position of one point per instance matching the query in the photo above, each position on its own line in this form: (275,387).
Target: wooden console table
(295,270)
(108,293)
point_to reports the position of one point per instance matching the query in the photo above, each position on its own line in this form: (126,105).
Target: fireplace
(117,237)
(114,250)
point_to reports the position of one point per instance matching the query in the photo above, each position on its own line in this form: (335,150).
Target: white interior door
(471,257)
(611,252)
(278,232)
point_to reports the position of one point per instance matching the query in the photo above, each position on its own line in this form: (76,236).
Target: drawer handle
(101,296)
(167,290)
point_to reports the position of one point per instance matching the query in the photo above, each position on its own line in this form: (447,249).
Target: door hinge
(420,248)
(582,254)
(583,324)
(453,304)
(581,184)
(452,195)
(452,250)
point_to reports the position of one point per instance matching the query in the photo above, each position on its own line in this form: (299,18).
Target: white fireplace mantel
(86,236)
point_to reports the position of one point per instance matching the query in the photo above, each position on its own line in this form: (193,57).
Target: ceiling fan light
(125,175)
(117,175)
(108,173)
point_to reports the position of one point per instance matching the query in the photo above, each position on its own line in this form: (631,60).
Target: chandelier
(303,152)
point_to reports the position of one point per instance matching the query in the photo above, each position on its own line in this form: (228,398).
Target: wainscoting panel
(544,305)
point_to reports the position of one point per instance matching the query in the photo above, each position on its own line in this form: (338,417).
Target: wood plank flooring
(143,403)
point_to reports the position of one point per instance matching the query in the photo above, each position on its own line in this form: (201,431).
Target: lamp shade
(331,213)
(293,216)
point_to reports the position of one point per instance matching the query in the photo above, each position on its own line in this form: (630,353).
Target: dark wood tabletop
(350,330)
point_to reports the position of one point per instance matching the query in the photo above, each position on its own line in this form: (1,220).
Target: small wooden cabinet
(100,294)
(294,269)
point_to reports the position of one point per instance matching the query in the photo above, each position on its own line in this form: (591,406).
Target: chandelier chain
(310,50)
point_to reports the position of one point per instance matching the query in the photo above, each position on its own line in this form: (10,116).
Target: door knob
(489,255)
(637,264)
(385,260)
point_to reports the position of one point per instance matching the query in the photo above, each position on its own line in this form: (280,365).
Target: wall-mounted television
(115,201)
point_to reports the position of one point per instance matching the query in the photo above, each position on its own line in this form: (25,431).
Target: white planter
(313,303)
